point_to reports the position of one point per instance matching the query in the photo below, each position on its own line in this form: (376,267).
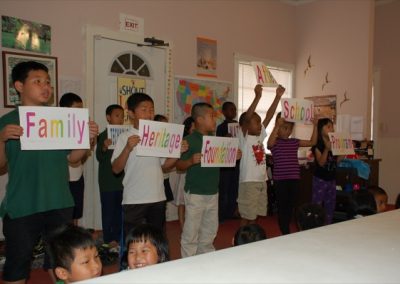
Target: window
(247,81)
(130,64)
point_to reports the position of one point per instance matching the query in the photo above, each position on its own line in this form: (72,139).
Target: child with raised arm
(37,196)
(74,255)
(252,198)
(201,187)
(324,178)
(110,184)
(143,195)
(286,174)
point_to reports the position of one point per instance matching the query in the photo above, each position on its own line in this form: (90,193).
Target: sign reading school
(263,75)
(114,131)
(219,151)
(297,110)
(159,139)
(341,143)
(50,128)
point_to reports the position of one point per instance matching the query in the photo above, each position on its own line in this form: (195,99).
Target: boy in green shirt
(37,196)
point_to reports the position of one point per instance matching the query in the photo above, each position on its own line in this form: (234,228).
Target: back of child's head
(135,99)
(364,203)
(187,123)
(160,117)
(64,241)
(200,109)
(310,216)
(380,196)
(249,234)
(68,99)
(21,70)
(113,107)
(147,232)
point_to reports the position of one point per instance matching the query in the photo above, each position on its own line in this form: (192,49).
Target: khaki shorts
(252,200)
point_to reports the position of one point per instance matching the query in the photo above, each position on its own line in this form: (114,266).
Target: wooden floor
(223,240)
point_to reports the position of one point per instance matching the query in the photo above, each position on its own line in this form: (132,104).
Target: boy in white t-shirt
(143,198)
(252,198)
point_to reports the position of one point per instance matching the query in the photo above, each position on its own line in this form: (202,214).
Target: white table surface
(365,250)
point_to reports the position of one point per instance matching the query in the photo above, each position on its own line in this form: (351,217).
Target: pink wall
(337,35)
(387,61)
(259,28)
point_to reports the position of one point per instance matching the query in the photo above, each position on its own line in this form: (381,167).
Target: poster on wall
(324,106)
(10,59)
(25,35)
(125,87)
(206,57)
(189,91)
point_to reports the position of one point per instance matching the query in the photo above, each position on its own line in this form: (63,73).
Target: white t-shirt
(253,166)
(75,173)
(143,181)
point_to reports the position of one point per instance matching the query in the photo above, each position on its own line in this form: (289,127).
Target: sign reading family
(159,139)
(297,110)
(219,151)
(114,131)
(50,128)
(341,143)
(263,75)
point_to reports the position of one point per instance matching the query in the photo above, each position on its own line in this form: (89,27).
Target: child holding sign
(143,195)
(110,184)
(286,174)
(324,178)
(252,199)
(37,197)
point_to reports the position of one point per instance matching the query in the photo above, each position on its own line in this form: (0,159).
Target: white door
(113,58)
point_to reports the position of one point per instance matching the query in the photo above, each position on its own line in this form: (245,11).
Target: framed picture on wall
(10,59)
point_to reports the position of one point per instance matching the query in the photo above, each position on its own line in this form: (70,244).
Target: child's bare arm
(274,134)
(249,113)
(10,131)
(314,137)
(76,156)
(183,165)
(271,111)
(119,163)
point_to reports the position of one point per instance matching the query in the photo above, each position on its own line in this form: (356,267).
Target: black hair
(376,190)
(160,117)
(68,99)
(147,232)
(364,203)
(249,234)
(199,109)
(135,99)
(321,123)
(111,108)
(242,118)
(310,216)
(187,125)
(225,105)
(64,240)
(21,71)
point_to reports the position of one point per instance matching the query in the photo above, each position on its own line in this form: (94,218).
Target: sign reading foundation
(219,151)
(159,139)
(114,131)
(50,128)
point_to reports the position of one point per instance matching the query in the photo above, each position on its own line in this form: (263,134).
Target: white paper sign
(263,75)
(159,139)
(219,151)
(233,129)
(128,23)
(50,128)
(341,143)
(297,110)
(114,131)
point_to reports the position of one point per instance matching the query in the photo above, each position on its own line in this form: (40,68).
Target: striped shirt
(286,163)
